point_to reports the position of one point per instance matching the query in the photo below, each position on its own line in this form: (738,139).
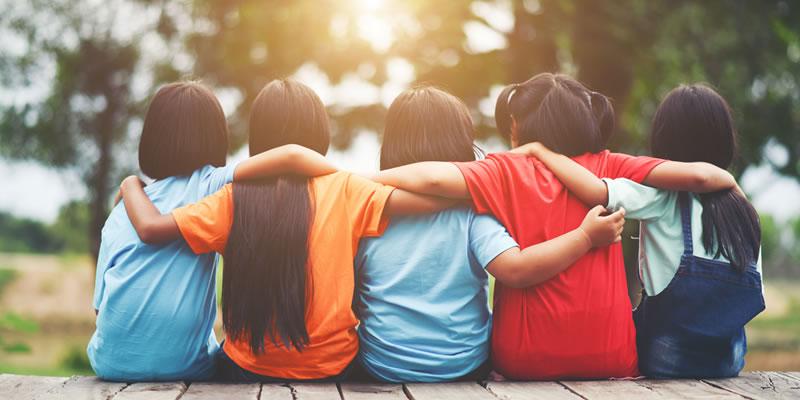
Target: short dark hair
(184,129)
(288,112)
(558,111)
(427,124)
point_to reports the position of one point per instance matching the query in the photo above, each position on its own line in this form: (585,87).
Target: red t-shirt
(579,323)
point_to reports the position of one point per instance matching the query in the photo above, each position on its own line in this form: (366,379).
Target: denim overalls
(695,327)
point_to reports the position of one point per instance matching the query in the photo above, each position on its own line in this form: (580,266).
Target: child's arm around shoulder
(536,264)
(587,187)
(430,177)
(698,177)
(286,159)
(151,226)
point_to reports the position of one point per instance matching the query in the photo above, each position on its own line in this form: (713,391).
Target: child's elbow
(148,234)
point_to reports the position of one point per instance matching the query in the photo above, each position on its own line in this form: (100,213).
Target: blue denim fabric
(695,327)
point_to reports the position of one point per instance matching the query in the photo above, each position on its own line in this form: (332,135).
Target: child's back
(423,296)
(577,324)
(156,304)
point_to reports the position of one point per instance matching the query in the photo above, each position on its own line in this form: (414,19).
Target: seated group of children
(331,276)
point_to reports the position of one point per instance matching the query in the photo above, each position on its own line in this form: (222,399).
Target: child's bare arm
(698,177)
(536,264)
(151,226)
(287,159)
(587,187)
(402,202)
(430,177)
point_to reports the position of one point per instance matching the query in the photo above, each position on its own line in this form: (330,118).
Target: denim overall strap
(686,222)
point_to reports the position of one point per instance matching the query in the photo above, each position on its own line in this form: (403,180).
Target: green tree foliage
(66,234)
(631,50)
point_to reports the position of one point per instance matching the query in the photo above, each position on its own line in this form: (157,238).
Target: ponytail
(731,228)
(502,110)
(604,115)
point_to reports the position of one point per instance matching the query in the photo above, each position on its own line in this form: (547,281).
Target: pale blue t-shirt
(157,304)
(422,295)
(660,230)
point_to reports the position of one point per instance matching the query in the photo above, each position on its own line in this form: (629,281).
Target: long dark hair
(558,111)
(265,284)
(694,123)
(427,124)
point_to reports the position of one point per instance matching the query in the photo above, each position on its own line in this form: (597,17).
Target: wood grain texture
(685,389)
(152,391)
(214,391)
(456,390)
(365,391)
(761,385)
(83,388)
(20,387)
(531,391)
(608,390)
(315,391)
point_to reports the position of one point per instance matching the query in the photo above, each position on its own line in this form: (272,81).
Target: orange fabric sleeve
(366,201)
(205,225)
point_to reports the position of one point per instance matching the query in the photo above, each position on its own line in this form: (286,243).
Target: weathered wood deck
(751,385)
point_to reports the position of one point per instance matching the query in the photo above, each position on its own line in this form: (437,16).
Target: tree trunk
(531,44)
(98,181)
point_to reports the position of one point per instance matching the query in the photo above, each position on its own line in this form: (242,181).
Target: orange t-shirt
(346,208)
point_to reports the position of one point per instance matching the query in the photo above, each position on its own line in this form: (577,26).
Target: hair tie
(511,94)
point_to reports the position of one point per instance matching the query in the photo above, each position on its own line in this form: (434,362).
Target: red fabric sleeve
(635,168)
(486,185)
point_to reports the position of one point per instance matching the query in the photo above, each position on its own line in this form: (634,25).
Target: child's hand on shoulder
(602,229)
(128,181)
(532,149)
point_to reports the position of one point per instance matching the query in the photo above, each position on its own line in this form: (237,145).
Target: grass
(7,276)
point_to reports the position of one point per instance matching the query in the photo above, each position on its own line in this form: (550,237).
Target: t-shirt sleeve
(220,176)
(640,202)
(205,225)
(485,183)
(487,239)
(366,201)
(635,168)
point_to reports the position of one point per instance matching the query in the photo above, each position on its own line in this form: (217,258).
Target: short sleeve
(219,176)
(205,225)
(485,182)
(366,201)
(640,202)
(635,168)
(487,239)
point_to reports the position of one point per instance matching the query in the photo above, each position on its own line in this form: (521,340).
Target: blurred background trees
(96,62)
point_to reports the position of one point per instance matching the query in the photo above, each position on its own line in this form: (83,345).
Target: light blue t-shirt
(422,295)
(157,304)
(660,230)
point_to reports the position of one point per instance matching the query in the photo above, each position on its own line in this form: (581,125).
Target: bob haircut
(558,111)
(184,129)
(427,124)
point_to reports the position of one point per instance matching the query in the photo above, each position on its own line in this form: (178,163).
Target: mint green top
(660,234)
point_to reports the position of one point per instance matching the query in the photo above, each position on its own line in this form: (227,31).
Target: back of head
(184,129)
(427,124)
(694,123)
(264,287)
(557,111)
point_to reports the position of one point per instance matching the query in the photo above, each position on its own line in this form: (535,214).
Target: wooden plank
(214,391)
(366,391)
(531,391)
(273,391)
(795,375)
(152,391)
(20,387)
(84,387)
(455,390)
(608,389)
(760,385)
(685,389)
(315,391)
